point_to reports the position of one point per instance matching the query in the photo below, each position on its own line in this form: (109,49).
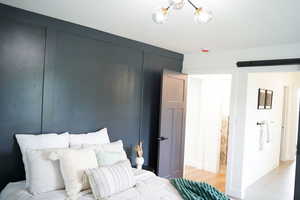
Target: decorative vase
(139,162)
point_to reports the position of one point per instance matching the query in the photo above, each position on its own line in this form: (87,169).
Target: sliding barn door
(297,176)
(172,124)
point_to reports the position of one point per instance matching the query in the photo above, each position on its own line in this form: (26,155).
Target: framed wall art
(265,99)
(261,99)
(269,99)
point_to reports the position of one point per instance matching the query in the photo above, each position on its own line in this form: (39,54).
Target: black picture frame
(261,99)
(269,99)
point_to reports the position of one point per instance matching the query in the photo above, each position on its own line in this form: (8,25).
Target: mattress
(148,187)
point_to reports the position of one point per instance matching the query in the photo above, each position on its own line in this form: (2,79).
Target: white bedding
(148,187)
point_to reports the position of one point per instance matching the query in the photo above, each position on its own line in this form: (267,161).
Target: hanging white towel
(268,131)
(261,137)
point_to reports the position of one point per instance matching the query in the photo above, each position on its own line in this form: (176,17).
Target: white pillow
(44,174)
(111,147)
(73,163)
(109,180)
(109,154)
(43,141)
(94,138)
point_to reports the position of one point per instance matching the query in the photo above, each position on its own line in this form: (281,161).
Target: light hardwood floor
(216,180)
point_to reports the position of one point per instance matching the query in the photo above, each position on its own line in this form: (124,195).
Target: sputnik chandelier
(201,15)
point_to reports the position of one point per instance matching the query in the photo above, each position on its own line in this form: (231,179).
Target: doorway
(207,128)
(271,136)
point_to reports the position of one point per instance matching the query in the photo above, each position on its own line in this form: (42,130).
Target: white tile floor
(276,185)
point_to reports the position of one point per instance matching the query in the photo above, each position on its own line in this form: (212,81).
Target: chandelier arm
(167,8)
(192,4)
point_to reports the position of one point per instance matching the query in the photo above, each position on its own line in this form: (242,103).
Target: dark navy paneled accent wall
(57,76)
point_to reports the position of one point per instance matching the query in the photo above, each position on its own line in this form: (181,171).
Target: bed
(90,166)
(148,187)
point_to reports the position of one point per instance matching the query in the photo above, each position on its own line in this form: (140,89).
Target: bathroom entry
(271,136)
(207,125)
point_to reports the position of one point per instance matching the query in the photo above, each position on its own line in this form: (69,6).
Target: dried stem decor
(139,149)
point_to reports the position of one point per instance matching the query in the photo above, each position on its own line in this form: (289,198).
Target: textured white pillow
(108,180)
(43,141)
(109,154)
(44,174)
(94,138)
(73,163)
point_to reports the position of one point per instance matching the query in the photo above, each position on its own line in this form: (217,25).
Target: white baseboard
(198,165)
(235,193)
(193,164)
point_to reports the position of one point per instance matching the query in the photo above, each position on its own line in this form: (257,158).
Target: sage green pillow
(105,158)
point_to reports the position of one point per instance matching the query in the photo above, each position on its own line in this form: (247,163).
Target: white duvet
(148,187)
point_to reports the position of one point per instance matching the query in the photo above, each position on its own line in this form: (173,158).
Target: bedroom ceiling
(235,25)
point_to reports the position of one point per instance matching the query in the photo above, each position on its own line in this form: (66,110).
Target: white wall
(192,139)
(224,63)
(208,102)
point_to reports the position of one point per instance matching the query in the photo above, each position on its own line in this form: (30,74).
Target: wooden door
(172,124)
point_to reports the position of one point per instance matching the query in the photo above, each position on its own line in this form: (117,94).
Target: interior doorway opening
(207,128)
(271,136)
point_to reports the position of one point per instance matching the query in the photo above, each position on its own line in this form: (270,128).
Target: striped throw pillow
(108,180)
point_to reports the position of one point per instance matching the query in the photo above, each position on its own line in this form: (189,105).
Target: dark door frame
(297,175)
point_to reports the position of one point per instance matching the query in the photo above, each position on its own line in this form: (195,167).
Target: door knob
(162,138)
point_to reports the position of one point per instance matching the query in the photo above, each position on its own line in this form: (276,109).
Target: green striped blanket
(191,190)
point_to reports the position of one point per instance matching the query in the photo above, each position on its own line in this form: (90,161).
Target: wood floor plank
(216,180)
